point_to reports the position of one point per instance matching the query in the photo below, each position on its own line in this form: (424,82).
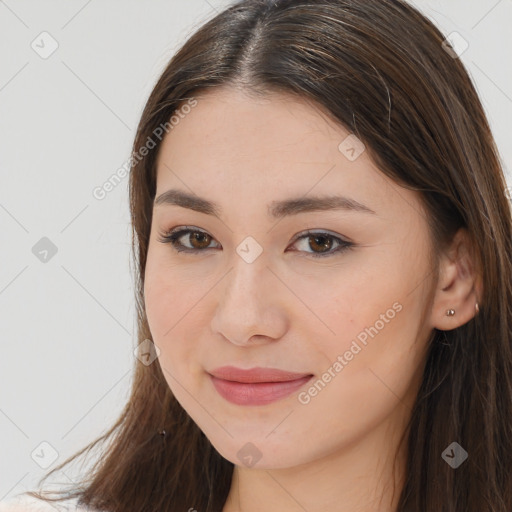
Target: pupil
(197,238)
(315,238)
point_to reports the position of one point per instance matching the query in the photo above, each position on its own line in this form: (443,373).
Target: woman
(323,241)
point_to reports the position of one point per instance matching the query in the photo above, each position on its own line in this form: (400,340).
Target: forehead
(237,148)
(277,126)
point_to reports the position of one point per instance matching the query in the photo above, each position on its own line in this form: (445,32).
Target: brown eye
(199,240)
(188,240)
(320,242)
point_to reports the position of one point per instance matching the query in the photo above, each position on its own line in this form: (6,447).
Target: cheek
(341,303)
(166,293)
(372,320)
(156,298)
(173,308)
(162,307)
(372,367)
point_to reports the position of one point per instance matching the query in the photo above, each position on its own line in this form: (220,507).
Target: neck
(359,477)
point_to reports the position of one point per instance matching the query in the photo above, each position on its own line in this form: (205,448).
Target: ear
(459,286)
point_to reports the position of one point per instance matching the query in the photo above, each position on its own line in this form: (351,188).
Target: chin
(261,453)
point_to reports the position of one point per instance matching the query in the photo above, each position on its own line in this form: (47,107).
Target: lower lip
(260,393)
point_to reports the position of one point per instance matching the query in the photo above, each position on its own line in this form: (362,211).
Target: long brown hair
(381,70)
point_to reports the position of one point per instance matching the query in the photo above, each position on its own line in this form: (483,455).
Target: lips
(255,375)
(257,386)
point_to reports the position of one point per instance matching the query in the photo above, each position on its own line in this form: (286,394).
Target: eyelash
(175,234)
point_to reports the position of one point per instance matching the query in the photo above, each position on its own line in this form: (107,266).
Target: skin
(292,311)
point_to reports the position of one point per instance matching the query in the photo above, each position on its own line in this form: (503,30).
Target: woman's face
(260,292)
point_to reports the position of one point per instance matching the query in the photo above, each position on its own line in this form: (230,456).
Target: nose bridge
(246,281)
(246,307)
(249,267)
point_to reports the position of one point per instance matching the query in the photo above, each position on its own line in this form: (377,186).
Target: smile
(259,386)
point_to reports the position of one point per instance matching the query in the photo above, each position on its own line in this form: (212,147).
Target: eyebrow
(276,209)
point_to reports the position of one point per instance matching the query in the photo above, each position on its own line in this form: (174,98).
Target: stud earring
(450,312)
(477,309)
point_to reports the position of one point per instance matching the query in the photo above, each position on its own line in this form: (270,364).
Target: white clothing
(25,503)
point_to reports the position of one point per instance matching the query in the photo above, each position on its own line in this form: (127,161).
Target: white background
(66,125)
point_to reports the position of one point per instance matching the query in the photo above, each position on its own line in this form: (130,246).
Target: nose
(251,304)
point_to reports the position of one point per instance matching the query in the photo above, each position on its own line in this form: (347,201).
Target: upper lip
(257,374)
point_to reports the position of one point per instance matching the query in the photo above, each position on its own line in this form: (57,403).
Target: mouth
(257,386)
